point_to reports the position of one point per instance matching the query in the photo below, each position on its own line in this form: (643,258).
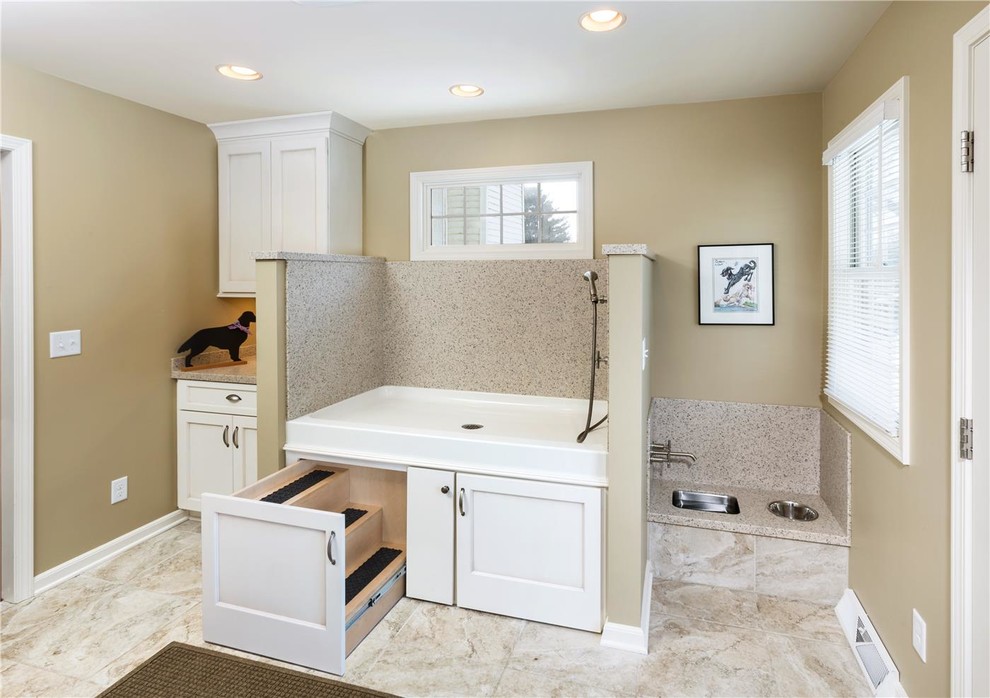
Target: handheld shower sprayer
(592,277)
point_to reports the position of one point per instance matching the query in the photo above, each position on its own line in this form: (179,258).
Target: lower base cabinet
(514,547)
(302,577)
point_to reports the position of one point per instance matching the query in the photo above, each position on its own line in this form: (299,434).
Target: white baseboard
(849,610)
(629,637)
(77,565)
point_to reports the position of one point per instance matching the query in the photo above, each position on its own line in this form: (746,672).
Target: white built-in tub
(396,427)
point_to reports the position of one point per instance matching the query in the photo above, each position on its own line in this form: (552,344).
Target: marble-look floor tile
(586,664)
(540,637)
(179,575)
(190,525)
(527,684)
(702,556)
(801,619)
(42,611)
(691,658)
(813,669)
(140,558)
(100,628)
(447,633)
(800,570)
(717,604)
(438,677)
(28,681)
(188,628)
(366,653)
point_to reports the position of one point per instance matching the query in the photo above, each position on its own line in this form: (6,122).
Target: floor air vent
(872,655)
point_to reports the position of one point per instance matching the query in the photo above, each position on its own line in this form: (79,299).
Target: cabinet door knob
(236,445)
(234,397)
(226,436)
(445,489)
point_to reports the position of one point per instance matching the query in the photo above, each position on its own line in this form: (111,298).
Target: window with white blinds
(866,349)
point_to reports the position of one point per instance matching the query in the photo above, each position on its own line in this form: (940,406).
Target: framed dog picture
(735,284)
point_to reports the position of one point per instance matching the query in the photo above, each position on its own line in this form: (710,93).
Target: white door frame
(17,371)
(963,498)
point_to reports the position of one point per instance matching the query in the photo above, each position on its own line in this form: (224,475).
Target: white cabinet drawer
(228,398)
(275,572)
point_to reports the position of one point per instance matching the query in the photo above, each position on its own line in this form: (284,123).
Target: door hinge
(966,151)
(966,439)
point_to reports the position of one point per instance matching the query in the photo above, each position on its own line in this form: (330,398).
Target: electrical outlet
(118,490)
(67,343)
(919,634)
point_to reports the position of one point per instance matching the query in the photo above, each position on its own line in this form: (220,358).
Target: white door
(273,581)
(245,210)
(430,535)
(530,550)
(244,440)
(981,370)
(299,193)
(204,459)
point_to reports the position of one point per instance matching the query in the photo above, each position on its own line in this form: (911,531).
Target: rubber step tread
(369,569)
(351,515)
(287,492)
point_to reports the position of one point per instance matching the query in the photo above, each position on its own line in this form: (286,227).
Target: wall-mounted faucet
(661,453)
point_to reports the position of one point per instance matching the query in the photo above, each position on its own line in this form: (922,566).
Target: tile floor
(83,635)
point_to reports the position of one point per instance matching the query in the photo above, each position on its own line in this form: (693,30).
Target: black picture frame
(732,293)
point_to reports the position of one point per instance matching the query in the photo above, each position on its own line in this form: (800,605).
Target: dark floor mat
(284,494)
(371,568)
(352,515)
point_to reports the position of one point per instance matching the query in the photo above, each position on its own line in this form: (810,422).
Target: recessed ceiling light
(239,72)
(602,20)
(466,91)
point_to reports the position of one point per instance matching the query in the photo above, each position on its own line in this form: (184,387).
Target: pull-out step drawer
(295,570)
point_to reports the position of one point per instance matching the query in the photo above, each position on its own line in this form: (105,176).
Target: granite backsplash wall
(334,313)
(507,326)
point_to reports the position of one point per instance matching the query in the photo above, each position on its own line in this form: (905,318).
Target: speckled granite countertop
(753,517)
(244,374)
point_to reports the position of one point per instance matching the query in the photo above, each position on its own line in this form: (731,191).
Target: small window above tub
(524,212)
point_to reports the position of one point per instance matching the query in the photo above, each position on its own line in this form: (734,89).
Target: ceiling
(388,64)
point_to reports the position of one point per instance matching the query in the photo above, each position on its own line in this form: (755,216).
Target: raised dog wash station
(765,506)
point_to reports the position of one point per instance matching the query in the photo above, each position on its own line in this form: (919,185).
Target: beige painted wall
(125,226)
(673,177)
(900,554)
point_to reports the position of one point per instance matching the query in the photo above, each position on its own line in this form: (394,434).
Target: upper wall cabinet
(289,183)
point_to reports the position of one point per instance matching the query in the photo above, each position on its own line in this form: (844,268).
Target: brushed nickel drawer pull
(333,537)
(460,502)
(234,397)
(236,445)
(226,436)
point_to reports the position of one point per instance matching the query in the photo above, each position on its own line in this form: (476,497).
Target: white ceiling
(388,64)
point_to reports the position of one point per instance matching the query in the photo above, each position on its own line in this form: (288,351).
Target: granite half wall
(507,326)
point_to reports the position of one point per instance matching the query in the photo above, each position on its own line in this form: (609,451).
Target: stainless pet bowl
(792,510)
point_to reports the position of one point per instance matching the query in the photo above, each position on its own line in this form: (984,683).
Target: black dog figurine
(229,337)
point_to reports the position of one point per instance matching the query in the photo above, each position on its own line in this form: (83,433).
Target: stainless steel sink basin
(705,501)
(792,510)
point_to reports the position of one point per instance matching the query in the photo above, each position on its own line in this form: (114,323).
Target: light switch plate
(67,343)
(919,634)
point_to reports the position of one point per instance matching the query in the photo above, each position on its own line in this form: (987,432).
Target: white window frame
(893,102)
(420,183)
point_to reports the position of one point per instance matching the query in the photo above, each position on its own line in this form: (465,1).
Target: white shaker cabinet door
(530,550)
(205,462)
(244,440)
(430,535)
(245,183)
(299,194)
(273,580)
